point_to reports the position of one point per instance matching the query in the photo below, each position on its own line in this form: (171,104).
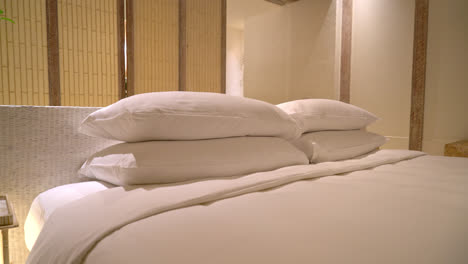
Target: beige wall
(290,52)
(239,10)
(266,49)
(381,65)
(446,106)
(312,49)
(235,61)
(381,69)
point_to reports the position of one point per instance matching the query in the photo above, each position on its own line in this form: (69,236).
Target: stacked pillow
(183,136)
(332,130)
(188,116)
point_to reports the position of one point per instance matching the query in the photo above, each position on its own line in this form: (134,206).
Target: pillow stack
(332,130)
(184,136)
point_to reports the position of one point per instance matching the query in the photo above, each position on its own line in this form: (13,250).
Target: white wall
(290,52)
(235,61)
(381,65)
(446,106)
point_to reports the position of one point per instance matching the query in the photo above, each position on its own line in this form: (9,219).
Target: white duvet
(48,201)
(387,207)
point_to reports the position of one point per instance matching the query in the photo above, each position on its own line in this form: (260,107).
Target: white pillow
(188,116)
(155,162)
(338,145)
(325,114)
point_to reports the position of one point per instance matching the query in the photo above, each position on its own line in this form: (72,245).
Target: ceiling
(239,10)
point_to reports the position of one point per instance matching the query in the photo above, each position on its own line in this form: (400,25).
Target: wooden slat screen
(88,48)
(203,46)
(23,53)
(156,45)
(88,52)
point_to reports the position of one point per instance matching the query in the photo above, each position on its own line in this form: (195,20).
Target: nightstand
(5,228)
(457,149)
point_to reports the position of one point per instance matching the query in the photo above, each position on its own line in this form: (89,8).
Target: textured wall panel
(40,148)
(88,52)
(156,50)
(23,53)
(204,49)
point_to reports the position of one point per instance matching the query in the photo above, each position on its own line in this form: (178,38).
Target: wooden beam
(53,64)
(121,48)
(182,45)
(419,74)
(346,37)
(130,50)
(223,44)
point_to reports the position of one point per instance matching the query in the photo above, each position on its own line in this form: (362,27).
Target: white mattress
(46,203)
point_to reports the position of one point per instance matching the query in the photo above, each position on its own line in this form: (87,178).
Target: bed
(387,206)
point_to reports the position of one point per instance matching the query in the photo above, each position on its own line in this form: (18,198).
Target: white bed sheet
(46,203)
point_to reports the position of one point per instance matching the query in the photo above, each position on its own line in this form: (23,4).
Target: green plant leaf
(7,19)
(1,11)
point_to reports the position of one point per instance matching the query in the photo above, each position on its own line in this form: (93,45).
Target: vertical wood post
(53,64)
(182,45)
(121,48)
(419,74)
(130,50)
(223,44)
(346,37)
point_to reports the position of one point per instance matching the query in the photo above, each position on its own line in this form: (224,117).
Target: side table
(457,149)
(4,229)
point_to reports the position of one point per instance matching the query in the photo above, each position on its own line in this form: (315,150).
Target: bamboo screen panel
(156,52)
(88,52)
(203,52)
(23,53)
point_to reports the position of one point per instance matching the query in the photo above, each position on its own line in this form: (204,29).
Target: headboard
(40,148)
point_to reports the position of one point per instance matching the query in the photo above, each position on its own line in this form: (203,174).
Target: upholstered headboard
(40,148)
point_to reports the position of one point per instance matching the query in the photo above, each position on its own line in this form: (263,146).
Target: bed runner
(72,231)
